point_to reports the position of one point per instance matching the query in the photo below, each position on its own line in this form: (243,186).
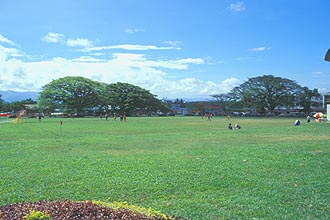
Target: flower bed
(67,210)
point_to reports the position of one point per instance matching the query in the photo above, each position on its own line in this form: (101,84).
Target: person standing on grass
(308,118)
(209,116)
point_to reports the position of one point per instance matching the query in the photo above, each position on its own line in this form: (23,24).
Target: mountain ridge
(11,96)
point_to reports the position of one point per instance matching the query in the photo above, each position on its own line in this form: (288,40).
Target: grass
(184,166)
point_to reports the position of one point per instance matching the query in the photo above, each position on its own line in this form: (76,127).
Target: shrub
(37,215)
(133,208)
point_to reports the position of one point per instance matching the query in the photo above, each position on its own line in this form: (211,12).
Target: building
(325,100)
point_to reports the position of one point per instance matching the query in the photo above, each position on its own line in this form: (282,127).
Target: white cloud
(323,90)
(228,84)
(180,64)
(137,69)
(6,53)
(259,49)
(131,47)
(133,30)
(190,61)
(172,43)
(52,37)
(87,45)
(192,88)
(79,42)
(318,74)
(5,40)
(237,7)
(243,58)
(87,59)
(139,60)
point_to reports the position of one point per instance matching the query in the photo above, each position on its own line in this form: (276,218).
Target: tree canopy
(70,92)
(128,98)
(78,93)
(267,92)
(222,99)
(305,98)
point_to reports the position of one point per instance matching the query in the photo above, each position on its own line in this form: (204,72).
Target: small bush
(133,208)
(37,215)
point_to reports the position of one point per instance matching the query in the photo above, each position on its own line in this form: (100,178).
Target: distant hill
(10,96)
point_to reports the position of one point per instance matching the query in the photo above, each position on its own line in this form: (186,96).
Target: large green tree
(72,92)
(305,98)
(267,92)
(223,99)
(128,98)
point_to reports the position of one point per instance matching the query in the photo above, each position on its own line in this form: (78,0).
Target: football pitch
(184,166)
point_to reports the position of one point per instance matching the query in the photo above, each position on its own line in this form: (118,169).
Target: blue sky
(174,48)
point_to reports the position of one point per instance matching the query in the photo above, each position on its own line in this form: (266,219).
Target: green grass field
(184,166)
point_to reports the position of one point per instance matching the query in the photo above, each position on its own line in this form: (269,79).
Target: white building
(325,100)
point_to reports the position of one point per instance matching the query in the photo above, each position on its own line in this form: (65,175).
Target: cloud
(228,84)
(237,7)
(243,58)
(52,37)
(130,47)
(87,45)
(319,74)
(140,61)
(138,69)
(192,88)
(5,40)
(172,43)
(190,61)
(6,53)
(323,90)
(87,59)
(259,49)
(18,73)
(133,30)
(79,42)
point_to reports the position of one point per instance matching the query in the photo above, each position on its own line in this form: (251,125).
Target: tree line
(269,93)
(74,94)
(78,94)
(15,105)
